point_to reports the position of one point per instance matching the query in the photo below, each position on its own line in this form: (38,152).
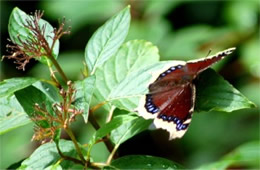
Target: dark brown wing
(194,67)
(175,103)
(175,109)
(181,74)
(171,96)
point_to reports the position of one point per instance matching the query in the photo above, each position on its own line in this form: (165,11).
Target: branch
(106,140)
(71,135)
(68,157)
(109,159)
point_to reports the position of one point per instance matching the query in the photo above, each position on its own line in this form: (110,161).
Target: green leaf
(113,124)
(16,27)
(143,162)
(215,93)
(53,167)
(30,96)
(128,130)
(9,86)
(246,156)
(107,39)
(126,94)
(84,92)
(47,155)
(49,90)
(132,56)
(12,114)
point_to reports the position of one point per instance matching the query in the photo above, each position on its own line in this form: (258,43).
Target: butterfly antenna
(206,57)
(208,53)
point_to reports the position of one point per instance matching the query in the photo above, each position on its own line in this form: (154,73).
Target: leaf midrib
(106,42)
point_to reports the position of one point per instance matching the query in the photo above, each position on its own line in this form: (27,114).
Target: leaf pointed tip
(16,8)
(85,117)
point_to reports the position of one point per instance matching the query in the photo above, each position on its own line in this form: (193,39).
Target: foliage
(47,155)
(245,156)
(143,162)
(84,93)
(117,72)
(106,40)
(214,93)
(17,22)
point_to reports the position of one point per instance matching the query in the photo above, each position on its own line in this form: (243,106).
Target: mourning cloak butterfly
(171,98)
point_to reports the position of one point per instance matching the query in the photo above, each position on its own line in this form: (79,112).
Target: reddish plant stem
(68,157)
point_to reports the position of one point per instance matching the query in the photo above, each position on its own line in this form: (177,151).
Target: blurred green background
(182,30)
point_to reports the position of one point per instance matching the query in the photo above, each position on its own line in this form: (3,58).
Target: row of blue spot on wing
(177,121)
(171,69)
(149,106)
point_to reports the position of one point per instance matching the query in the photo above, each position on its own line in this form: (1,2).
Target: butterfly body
(171,98)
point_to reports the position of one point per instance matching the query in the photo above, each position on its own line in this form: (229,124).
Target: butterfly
(171,97)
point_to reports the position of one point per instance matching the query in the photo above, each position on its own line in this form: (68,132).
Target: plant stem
(53,77)
(68,157)
(98,164)
(56,64)
(109,159)
(93,121)
(71,135)
(94,108)
(39,34)
(110,115)
(94,166)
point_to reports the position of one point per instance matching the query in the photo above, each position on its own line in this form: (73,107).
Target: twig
(71,135)
(57,66)
(68,157)
(110,115)
(98,164)
(93,109)
(109,159)
(107,142)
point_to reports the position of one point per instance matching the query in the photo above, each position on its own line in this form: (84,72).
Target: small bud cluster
(35,45)
(64,113)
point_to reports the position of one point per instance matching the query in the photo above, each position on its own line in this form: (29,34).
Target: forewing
(186,72)
(194,67)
